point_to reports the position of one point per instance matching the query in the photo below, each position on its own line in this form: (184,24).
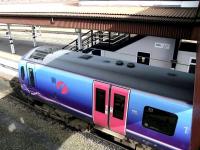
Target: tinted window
(119,103)
(143,58)
(159,120)
(22,73)
(192,66)
(100,100)
(192,69)
(187,46)
(31,77)
(96,52)
(193,61)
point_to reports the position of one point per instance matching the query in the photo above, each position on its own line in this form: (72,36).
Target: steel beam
(171,31)
(80,43)
(12,47)
(195,131)
(34,36)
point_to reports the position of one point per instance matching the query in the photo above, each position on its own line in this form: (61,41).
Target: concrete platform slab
(21,46)
(9,56)
(5,88)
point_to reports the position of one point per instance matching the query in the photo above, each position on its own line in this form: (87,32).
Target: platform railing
(91,38)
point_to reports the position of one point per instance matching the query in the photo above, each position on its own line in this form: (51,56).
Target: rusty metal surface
(166,22)
(138,11)
(195,131)
(11,2)
(152,14)
(125,26)
(195,141)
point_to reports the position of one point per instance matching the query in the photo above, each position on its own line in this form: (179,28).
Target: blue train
(148,104)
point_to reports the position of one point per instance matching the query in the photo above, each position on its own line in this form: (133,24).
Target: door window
(100,100)
(119,103)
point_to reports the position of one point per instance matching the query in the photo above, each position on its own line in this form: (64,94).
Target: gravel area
(24,129)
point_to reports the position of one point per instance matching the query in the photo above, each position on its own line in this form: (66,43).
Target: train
(148,104)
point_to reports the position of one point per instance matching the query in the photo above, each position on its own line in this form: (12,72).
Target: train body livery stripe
(152,140)
(50,100)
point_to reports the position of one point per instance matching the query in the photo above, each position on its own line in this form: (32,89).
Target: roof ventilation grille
(41,53)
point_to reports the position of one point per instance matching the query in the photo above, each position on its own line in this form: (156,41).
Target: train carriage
(149,104)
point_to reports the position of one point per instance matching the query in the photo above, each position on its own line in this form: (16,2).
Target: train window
(96,52)
(193,61)
(159,120)
(188,46)
(100,100)
(22,73)
(143,58)
(192,66)
(31,77)
(119,103)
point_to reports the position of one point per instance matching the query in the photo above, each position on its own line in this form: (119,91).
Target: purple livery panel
(75,93)
(71,91)
(135,129)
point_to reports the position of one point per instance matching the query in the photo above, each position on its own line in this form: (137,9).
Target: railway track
(62,117)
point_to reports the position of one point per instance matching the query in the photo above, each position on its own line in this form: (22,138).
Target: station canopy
(175,22)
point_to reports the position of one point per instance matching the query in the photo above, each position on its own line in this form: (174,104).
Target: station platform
(23,43)
(21,46)
(11,61)
(9,56)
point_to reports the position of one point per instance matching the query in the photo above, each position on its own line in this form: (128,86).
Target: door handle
(106,110)
(111,110)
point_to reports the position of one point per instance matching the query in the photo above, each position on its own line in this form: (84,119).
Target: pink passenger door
(100,103)
(118,109)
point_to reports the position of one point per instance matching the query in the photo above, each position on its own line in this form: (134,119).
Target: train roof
(160,81)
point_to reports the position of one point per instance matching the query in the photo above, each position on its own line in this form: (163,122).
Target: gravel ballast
(21,128)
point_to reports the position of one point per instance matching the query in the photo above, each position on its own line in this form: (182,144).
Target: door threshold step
(105,130)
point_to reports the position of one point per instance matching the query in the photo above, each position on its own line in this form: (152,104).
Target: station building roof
(173,22)
(158,14)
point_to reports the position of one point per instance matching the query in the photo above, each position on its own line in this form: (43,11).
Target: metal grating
(40,54)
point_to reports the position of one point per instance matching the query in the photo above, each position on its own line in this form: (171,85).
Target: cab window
(22,73)
(31,77)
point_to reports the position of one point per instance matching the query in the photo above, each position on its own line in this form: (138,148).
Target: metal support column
(34,36)
(92,38)
(12,47)
(109,36)
(100,36)
(80,44)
